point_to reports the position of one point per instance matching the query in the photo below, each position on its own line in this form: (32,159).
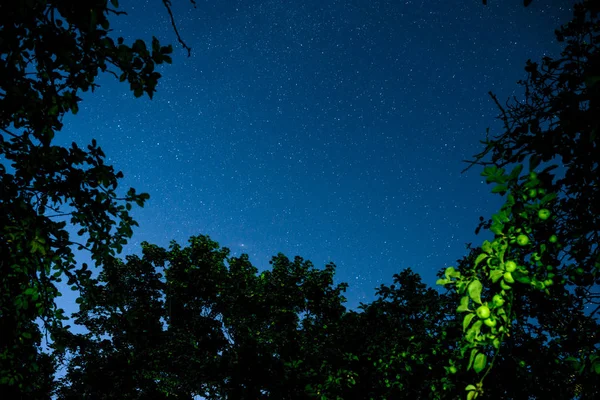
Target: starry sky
(334,130)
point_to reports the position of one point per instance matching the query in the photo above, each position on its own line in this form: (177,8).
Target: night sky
(333,130)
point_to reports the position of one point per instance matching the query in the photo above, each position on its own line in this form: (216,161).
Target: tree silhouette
(51,51)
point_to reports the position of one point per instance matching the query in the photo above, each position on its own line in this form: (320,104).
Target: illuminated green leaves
(474,290)
(467,321)
(480,362)
(464,304)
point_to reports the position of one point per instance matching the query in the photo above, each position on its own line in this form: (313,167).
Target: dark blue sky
(333,130)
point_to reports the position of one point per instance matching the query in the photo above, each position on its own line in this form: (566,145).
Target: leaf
(472,395)
(534,161)
(480,258)
(480,362)
(516,172)
(470,387)
(500,188)
(497,229)
(486,247)
(510,200)
(495,275)
(138,92)
(489,170)
(464,304)
(474,291)
(467,320)
(521,277)
(476,328)
(548,198)
(442,282)
(472,358)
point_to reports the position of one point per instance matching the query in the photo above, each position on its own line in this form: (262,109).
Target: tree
(52,50)
(190,321)
(556,122)
(194,321)
(544,262)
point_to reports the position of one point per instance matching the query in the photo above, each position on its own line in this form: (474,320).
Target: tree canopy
(51,51)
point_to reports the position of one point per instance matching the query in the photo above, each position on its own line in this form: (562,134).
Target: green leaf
(480,362)
(486,247)
(474,291)
(497,229)
(548,198)
(480,258)
(510,200)
(516,172)
(26,335)
(476,328)
(496,343)
(472,358)
(489,170)
(470,387)
(472,395)
(464,304)
(500,189)
(496,275)
(467,320)
(521,277)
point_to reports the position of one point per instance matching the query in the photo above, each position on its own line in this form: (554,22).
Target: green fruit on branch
(544,214)
(498,301)
(491,322)
(510,266)
(523,240)
(483,312)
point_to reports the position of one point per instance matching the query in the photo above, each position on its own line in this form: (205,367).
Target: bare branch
(167,4)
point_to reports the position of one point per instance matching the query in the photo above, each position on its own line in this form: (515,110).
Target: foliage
(190,321)
(194,321)
(179,322)
(545,254)
(512,290)
(51,51)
